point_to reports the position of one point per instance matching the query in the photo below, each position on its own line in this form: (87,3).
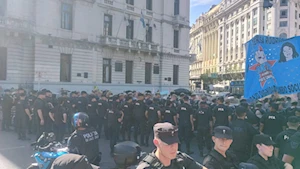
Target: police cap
(293,119)
(166,132)
(43,92)
(140,94)
(222,132)
(72,161)
(263,139)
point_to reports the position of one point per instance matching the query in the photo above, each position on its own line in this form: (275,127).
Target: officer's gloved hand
(247,166)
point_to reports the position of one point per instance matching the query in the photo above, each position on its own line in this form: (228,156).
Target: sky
(200,6)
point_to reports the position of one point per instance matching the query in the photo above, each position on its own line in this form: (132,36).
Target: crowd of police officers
(131,116)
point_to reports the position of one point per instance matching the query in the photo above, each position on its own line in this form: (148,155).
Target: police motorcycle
(47,150)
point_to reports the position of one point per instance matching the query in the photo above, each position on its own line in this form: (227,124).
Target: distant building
(78,44)
(238,22)
(204,44)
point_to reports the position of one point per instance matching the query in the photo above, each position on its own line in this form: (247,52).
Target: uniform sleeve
(26,105)
(39,105)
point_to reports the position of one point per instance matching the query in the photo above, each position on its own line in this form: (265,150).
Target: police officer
(265,159)
(283,137)
(31,100)
(114,118)
(40,113)
(170,113)
(49,105)
(220,157)
(272,123)
(153,116)
(92,111)
(221,114)
(292,151)
(102,110)
(203,116)
(250,116)
(59,117)
(166,154)
(82,102)
(7,104)
(139,110)
(22,116)
(243,133)
(127,109)
(84,140)
(186,123)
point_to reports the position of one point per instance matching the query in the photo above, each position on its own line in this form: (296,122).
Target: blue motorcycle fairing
(44,159)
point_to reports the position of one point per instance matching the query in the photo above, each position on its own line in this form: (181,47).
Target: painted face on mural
(288,53)
(260,57)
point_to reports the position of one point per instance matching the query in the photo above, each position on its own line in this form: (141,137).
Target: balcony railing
(17,24)
(179,19)
(129,44)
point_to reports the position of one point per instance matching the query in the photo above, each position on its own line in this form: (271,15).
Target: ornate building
(204,44)
(78,44)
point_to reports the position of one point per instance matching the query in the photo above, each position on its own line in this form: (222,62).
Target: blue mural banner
(272,65)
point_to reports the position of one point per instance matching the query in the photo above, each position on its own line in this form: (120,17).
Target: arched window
(283,35)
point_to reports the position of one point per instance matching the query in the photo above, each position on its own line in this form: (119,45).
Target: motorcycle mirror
(247,166)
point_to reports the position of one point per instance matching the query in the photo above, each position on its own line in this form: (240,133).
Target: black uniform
(127,109)
(243,133)
(113,125)
(31,124)
(139,110)
(203,118)
(22,118)
(81,105)
(182,161)
(59,125)
(273,124)
(49,105)
(153,118)
(102,122)
(293,149)
(215,160)
(271,163)
(39,104)
(7,104)
(221,113)
(185,111)
(282,139)
(93,113)
(168,115)
(85,142)
(70,106)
